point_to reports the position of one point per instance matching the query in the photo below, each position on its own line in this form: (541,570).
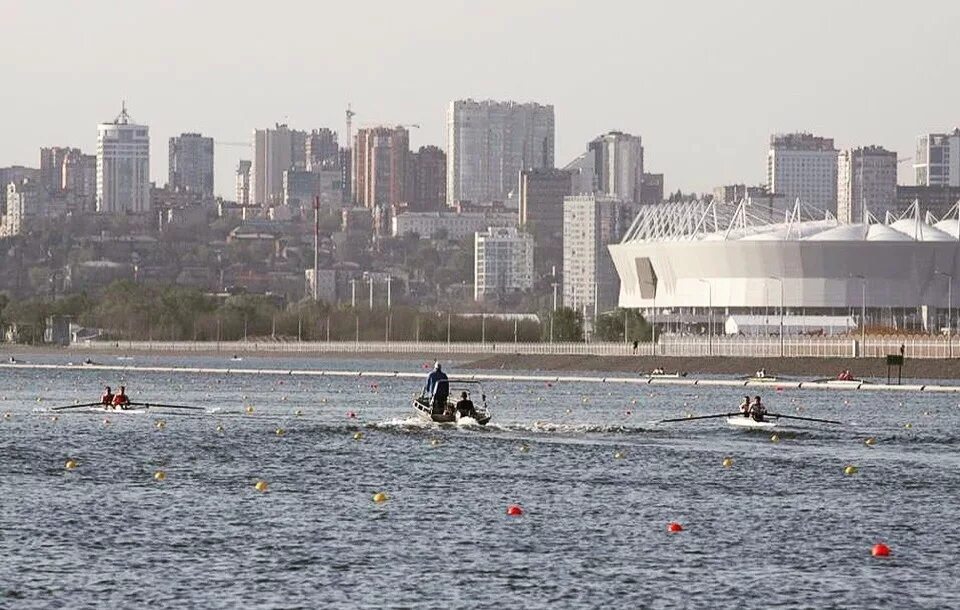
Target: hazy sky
(704,83)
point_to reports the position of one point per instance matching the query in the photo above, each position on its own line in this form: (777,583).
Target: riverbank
(875,368)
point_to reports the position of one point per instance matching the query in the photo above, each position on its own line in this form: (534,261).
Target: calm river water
(783,526)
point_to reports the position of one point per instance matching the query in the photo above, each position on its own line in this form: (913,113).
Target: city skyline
(706,123)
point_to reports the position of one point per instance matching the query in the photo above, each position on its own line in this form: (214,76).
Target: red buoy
(880,550)
(351,415)
(673,527)
(514,510)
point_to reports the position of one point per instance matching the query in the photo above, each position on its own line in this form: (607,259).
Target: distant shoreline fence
(668,346)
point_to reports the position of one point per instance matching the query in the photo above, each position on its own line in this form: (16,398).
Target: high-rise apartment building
(191,163)
(489,142)
(380,159)
(937,160)
(617,165)
(803,166)
(866,180)
(243,182)
(51,166)
(590,224)
(428,172)
(79,177)
(542,192)
(123,166)
(321,150)
(275,151)
(503,263)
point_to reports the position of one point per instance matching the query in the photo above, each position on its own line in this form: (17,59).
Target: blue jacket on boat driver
(433,388)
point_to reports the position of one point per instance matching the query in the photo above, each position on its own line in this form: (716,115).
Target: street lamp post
(709,316)
(780,279)
(949,311)
(863,314)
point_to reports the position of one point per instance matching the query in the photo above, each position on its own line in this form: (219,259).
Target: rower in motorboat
(441,409)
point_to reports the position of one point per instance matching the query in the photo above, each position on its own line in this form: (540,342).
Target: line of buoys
(673,527)
(880,550)
(515,510)
(380,497)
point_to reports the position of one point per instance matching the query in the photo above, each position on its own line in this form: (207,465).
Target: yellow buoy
(380,497)
(219,428)
(619,455)
(54,418)
(280,431)
(870,442)
(524,448)
(6,415)
(160,424)
(159,476)
(908,425)
(727,462)
(358,436)
(71,464)
(298,413)
(249,409)
(775,439)
(434,442)
(850,469)
(39,399)
(261,486)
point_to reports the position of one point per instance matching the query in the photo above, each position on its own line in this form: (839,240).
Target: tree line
(127,311)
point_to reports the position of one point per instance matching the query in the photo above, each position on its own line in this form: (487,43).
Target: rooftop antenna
(124,117)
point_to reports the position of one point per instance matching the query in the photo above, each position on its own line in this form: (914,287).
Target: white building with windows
(489,142)
(590,223)
(803,166)
(937,162)
(866,180)
(123,166)
(503,262)
(456,225)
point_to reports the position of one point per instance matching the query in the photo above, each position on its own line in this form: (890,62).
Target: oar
(153,404)
(89,404)
(824,421)
(666,421)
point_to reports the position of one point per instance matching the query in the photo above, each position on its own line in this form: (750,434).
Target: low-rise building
(456,225)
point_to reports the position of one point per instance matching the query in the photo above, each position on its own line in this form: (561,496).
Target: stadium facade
(743,258)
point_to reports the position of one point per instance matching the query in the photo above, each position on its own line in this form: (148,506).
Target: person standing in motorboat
(437,389)
(465,407)
(757,410)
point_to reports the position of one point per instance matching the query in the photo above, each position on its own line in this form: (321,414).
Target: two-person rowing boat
(752,415)
(121,402)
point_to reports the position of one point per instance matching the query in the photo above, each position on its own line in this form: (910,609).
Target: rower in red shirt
(120,399)
(106,399)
